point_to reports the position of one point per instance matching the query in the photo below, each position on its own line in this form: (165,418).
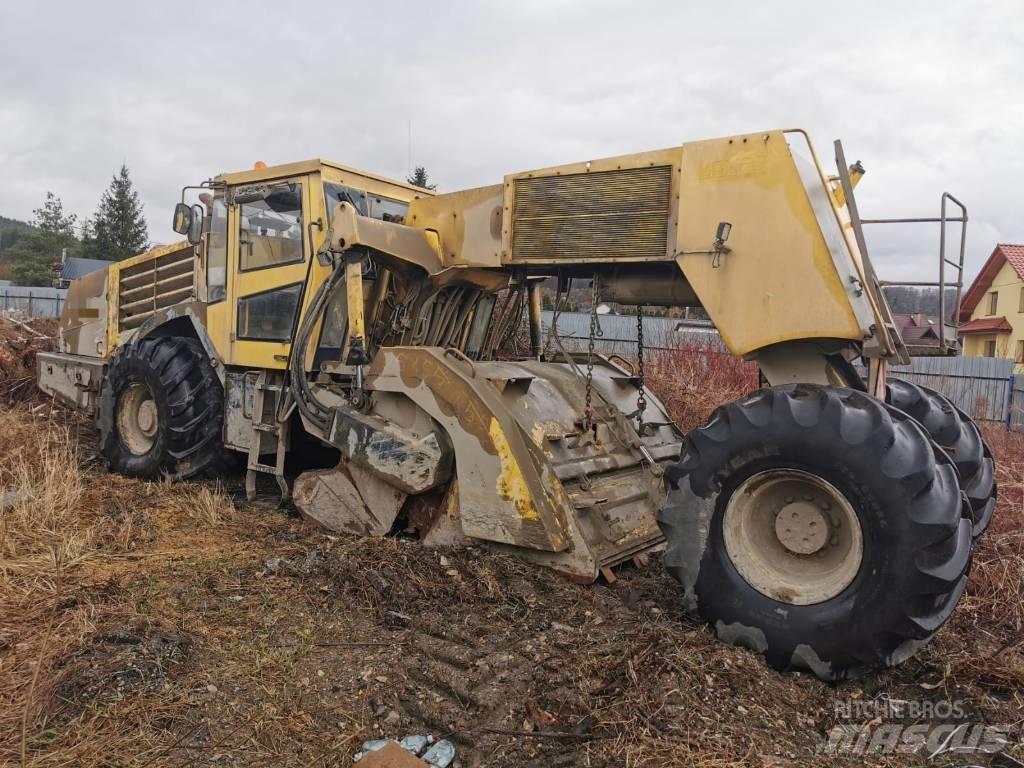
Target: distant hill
(10,231)
(910,300)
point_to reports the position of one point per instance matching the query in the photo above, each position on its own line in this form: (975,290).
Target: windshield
(374,206)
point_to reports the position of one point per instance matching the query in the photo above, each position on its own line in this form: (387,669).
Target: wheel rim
(137,419)
(793,536)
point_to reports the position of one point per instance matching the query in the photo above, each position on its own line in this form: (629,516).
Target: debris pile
(20,340)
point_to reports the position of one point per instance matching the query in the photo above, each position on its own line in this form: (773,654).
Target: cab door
(271,252)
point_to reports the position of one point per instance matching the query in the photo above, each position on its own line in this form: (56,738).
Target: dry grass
(37,531)
(997,578)
(147,624)
(69,533)
(206,504)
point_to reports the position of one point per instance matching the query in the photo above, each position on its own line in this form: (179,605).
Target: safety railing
(943,219)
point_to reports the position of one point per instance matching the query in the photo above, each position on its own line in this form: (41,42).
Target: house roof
(76,267)
(986,325)
(1001,254)
(917,326)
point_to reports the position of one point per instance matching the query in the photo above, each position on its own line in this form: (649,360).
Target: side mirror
(182,219)
(188,221)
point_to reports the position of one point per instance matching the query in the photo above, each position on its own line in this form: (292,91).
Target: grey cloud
(930,98)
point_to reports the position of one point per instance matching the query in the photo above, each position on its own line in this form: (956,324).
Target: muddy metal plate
(73,379)
(529,475)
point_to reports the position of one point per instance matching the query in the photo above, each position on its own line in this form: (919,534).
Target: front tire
(802,452)
(161,410)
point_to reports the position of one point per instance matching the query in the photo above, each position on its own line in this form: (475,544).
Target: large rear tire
(161,410)
(755,489)
(959,436)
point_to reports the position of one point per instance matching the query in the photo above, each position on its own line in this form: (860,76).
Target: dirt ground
(148,624)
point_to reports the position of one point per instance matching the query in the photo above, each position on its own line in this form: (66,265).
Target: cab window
(335,194)
(386,209)
(270,315)
(270,230)
(374,206)
(217,249)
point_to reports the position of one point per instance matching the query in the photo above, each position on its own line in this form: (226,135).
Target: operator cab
(258,233)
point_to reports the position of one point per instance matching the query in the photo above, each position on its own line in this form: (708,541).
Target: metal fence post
(1009,402)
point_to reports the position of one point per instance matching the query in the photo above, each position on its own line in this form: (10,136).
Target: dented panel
(529,476)
(502,494)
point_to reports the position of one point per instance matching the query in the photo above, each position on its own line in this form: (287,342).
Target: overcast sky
(929,98)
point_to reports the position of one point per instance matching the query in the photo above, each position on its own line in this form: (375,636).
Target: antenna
(408,164)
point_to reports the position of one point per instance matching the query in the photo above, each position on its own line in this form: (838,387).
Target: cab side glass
(270,229)
(217,251)
(195,225)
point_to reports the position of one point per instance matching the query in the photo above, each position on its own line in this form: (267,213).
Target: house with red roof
(918,328)
(992,309)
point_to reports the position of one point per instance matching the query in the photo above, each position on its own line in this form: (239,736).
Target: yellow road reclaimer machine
(825,520)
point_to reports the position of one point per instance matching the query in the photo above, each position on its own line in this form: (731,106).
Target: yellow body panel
(468,224)
(114,335)
(790,269)
(330,171)
(779,280)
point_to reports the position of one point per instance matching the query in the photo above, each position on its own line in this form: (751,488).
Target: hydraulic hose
(305,400)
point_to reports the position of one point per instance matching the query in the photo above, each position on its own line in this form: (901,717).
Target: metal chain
(641,401)
(595,331)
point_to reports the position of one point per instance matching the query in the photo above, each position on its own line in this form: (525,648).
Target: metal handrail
(942,220)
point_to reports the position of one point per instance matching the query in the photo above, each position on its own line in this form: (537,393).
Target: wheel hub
(147,417)
(137,418)
(793,536)
(802,528)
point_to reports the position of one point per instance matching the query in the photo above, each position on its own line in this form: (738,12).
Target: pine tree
(118,227)
(34,254)
(50,218)
(419,178)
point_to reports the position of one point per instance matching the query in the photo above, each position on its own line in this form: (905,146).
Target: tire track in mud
(465,680)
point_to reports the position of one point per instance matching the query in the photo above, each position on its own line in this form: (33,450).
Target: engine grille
(155,284)
(622,213)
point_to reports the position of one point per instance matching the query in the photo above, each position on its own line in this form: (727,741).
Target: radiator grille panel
(609,214)
(153,285)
